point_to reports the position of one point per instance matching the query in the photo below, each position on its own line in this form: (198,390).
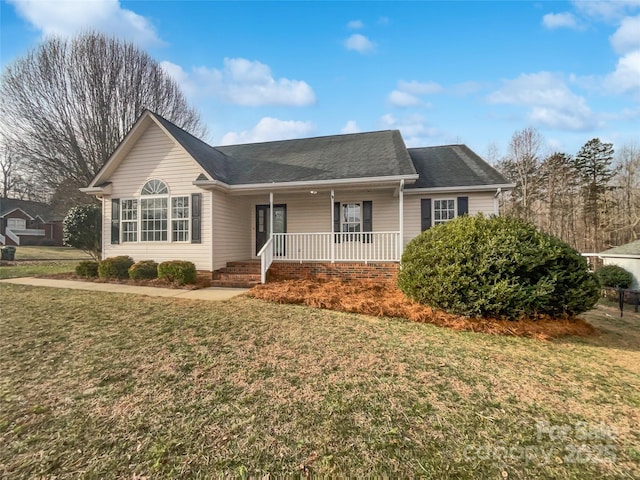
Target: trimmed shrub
(614,276)
(87,269)
(143,270)
(178,271)
(115,267)
(496,267)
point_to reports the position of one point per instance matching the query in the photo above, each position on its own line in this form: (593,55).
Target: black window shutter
(367,220)
(196,218)
(336,221)
(425,213)
(115,221)
(463,205)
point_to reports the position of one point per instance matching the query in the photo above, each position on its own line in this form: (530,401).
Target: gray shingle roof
(452,166)
(631,248)
(358,155)
(371,154)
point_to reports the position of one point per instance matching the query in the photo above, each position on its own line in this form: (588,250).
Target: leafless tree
(522,166)
(67,104)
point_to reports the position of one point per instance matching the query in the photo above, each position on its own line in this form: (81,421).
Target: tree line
(590,199)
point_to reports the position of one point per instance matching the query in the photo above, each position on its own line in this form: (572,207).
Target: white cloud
(605,9)
(551,103)
(420,88)
(355,24)
(269,129)
(414,128)
(398,98)
(626,77)
(66,18)
(560,20)
(243,82)
(627,37)
(350,127)
(359,43)
(384,21)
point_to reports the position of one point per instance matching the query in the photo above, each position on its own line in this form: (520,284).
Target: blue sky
(440,72)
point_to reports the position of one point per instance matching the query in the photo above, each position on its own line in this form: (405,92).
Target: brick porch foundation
(378,272)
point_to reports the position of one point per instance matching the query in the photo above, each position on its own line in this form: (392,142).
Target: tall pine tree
(593,164)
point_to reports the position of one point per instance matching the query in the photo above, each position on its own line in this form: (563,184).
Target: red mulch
(386,300)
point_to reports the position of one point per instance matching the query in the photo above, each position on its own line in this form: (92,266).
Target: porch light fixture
(313,192)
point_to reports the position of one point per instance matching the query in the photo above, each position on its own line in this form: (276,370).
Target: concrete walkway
(211,294)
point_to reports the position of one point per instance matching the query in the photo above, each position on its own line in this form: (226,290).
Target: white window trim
(343,223)
(433,210)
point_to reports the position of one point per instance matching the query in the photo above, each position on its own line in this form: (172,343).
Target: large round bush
(496,267)
(614,276)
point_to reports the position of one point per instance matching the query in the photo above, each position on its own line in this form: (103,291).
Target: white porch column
(496,202)
(270,214)
(331,237)
(401,217)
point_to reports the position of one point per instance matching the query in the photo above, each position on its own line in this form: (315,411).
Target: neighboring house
(339,205)
(626,256)
(23,222)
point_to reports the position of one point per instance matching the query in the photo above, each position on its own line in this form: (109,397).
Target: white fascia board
(462,188)
(391,181)
(106,190)
(619,255)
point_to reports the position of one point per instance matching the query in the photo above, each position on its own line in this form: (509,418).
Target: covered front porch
(361,231)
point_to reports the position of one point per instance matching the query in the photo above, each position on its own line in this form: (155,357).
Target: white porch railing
(34,232)
(266,259)
(330,247)
(9,233)
(337,247)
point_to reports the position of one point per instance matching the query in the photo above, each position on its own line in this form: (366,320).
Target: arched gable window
(155,187)
(156,216)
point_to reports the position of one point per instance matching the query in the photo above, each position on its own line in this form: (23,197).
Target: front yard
(103,386)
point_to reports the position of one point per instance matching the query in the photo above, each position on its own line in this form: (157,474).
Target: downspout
(270,215)
(496,206)
(401,217)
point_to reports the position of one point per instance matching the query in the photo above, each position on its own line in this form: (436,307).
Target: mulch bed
(201,281)
(386,300)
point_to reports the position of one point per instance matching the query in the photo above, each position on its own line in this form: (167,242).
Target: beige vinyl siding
(478,202)
(231,229)
(155,155)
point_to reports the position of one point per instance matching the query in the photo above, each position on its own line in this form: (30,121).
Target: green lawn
(34,261)
(110,386)
(49,253)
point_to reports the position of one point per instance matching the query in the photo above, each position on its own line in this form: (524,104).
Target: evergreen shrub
(178,271)
(115,267)
(143,270)
(496,267)
(614,276)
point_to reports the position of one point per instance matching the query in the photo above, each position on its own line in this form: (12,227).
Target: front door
(263,218)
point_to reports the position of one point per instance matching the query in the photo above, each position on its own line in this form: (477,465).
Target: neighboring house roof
(453,166)
(631,248)
(32,209)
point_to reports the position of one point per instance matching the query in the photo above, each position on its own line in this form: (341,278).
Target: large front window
(156,216)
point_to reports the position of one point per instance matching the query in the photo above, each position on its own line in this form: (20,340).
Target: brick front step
(234,283)
(244,274)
